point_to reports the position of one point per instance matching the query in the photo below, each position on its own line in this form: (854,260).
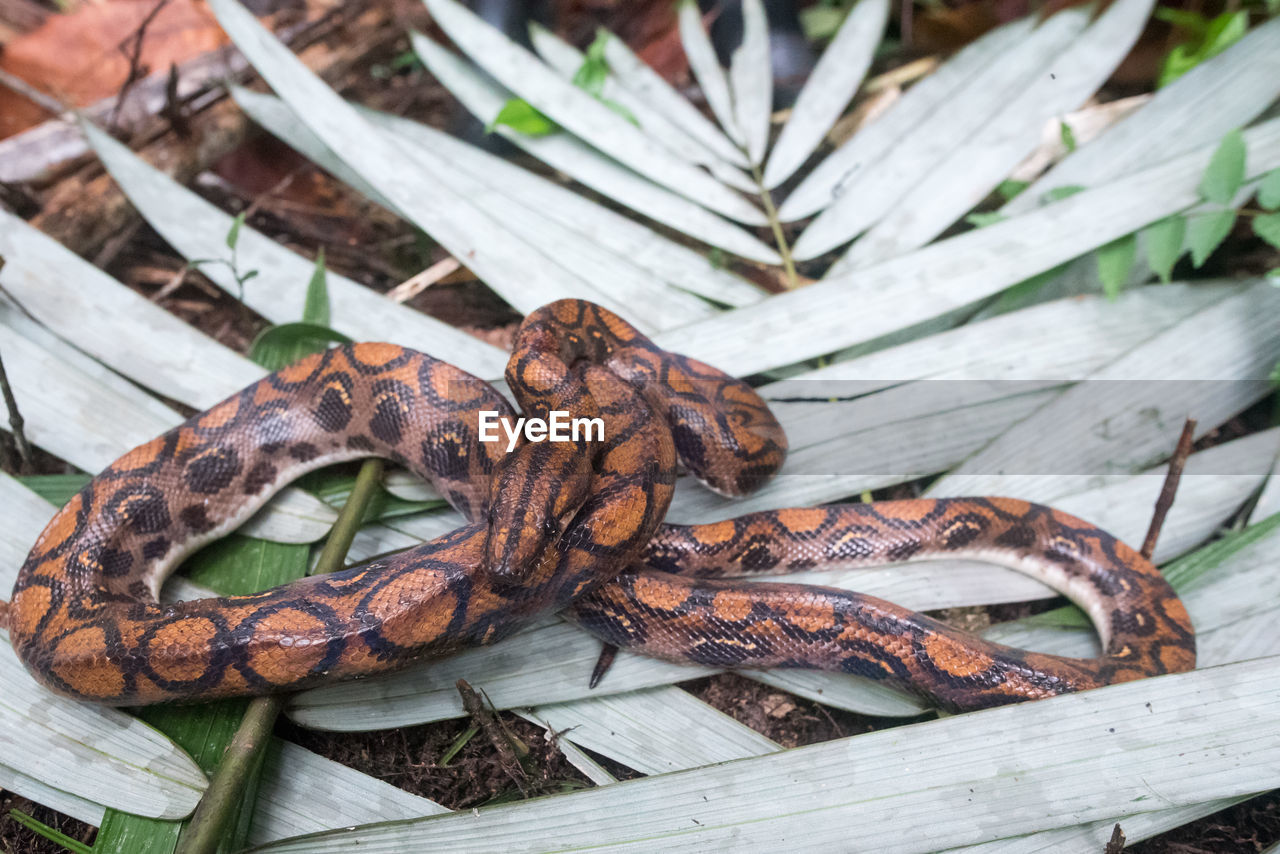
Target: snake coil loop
(571,525)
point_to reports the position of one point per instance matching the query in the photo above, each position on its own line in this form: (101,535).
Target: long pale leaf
(646,83)
(828,90)
(566,60)
(1180,736)
(952,273)
(1222,93)
(751,81)
(581,114)
(198,229)
(516,270)
(869,194)
(842,167)
(972,170)
(706,69)
(583,163)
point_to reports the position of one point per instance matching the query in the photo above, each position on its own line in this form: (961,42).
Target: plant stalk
(216,811)
(788,264)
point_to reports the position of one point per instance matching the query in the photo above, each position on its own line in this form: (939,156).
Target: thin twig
(16,423)
(419,282)
(788,265)
(1170,488)
(133,53)
(217,807)
(509,746)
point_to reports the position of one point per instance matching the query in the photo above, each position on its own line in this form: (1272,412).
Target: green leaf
(985,218)
(334,488)
(620,110)
(57,489)
(1206,232)
(1225,173)
(519,115)
(233,234)
(1057,194)
(1068,136)
(591,75)
(1269,191)
(1209,38)
(1015,296)
(1267,227)
(1115,260)
(717,258)
(55,836)
(285,344)
(1193,22)
(232,566)
(1183,573)
(1164,245)
(316,307)
(1008,189)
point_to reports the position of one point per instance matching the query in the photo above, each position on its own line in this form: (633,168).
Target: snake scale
(552,526)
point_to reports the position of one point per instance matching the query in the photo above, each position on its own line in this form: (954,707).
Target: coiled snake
(573,526)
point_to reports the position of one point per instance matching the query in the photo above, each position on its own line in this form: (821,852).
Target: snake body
(573,526)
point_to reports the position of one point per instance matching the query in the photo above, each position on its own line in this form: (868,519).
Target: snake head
(537,491)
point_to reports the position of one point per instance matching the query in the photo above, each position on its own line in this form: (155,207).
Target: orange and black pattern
(681,601)
(552,526)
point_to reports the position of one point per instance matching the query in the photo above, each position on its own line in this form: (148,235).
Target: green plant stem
(788,265)
(217,808)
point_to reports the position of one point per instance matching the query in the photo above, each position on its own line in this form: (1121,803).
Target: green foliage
(1115,260)
(593,72)
(1206,232)
(1009,189)
(232,240)
(53,835)
(1184,573)
(519,115)
(277,346)
(1269,191)
(334,489)
(1267,226)
(233,566)
(1057,194)
(315,308)
(1225,174)
(985,218)
(1068,136)
(57,489)
(1164,245)
(1208,38)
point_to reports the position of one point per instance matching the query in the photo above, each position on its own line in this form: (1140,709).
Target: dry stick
(1170,488)
(509,746)
(133,53)
(217,808)
(1115,845)
(15,418)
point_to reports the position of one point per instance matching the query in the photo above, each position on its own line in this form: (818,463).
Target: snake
(575,527)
